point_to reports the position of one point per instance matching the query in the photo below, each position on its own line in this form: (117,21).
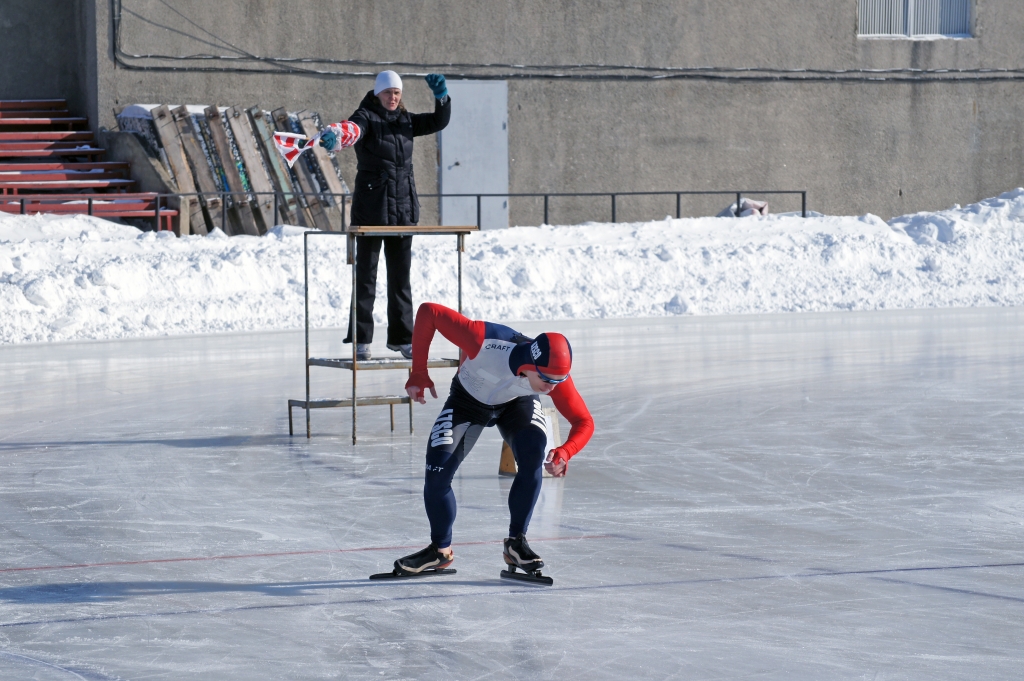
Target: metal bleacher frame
(353,364)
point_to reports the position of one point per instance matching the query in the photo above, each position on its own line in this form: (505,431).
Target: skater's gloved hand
(419,382)
(418,394)
(557,462)
(437,85)
(328,140)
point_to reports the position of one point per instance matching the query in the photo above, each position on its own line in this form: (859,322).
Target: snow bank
(76,277)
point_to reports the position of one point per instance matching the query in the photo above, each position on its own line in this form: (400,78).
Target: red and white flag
(291,145)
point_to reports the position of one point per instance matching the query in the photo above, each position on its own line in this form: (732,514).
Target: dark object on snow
(747,208)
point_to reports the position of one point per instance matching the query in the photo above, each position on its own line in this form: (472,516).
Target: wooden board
(191,218)
(314,206)
(201,129)
(374,230)
(203,133)
(245,138)
(302,205)
(241,207)
(288,205)
(327,168)
(200,167)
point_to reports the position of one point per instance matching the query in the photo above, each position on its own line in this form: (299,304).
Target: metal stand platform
(353,364)
(365,365)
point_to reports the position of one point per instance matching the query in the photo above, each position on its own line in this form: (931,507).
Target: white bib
(488,378)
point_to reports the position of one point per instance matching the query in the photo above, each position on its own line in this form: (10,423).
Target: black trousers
(455,431)
(398,255)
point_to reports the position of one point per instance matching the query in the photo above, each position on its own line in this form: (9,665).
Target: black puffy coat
(385,189)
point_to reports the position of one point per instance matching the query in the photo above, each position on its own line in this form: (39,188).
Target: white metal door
(474,153)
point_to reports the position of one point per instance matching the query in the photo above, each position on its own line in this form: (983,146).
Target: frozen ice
(815,496)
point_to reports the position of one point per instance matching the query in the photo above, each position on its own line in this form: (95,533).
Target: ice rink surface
(801,496)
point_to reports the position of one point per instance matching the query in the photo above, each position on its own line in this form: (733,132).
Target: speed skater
(499,383)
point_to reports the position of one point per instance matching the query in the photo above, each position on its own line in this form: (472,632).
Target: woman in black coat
(385,194)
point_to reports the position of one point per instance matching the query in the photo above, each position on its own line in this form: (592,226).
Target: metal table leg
(305,293)
(352,329)
(410,405)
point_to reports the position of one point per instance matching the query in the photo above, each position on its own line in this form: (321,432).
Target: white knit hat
(385,80)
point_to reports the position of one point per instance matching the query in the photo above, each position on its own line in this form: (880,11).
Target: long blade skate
(532,577)
(394,574)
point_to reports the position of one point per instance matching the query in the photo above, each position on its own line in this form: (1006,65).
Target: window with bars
(915,18)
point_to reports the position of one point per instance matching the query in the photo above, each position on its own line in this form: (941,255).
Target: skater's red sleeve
(430,317)
(571,405)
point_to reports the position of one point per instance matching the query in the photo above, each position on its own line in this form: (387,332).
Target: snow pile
(76,277)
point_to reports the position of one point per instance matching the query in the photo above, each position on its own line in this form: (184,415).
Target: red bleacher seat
(27,166)
(124,205)
(46,135)
(16,186)
(48,165)
(8,151)
(31,104)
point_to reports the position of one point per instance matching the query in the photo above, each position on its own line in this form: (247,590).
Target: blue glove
(328,140)
(437,86)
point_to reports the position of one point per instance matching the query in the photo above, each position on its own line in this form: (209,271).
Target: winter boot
(405,349)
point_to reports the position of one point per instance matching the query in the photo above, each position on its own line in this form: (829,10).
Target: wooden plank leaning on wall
(245,138)
(309,128)
(288,205)
(200,168)
(241,210)
(316,207)
(191,218)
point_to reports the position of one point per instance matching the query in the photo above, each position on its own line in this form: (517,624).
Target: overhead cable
(246,63)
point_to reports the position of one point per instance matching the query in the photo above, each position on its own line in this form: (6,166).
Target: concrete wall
(855,147)
(880,147)
(45,49)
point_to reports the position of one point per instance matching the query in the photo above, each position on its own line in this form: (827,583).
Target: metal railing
(340,201)
(615,195)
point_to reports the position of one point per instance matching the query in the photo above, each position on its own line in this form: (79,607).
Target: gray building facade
(602,96)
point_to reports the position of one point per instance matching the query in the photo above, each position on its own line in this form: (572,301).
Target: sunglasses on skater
(548,379)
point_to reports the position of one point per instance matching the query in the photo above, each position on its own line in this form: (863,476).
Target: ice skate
(518,554)
(429,561)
